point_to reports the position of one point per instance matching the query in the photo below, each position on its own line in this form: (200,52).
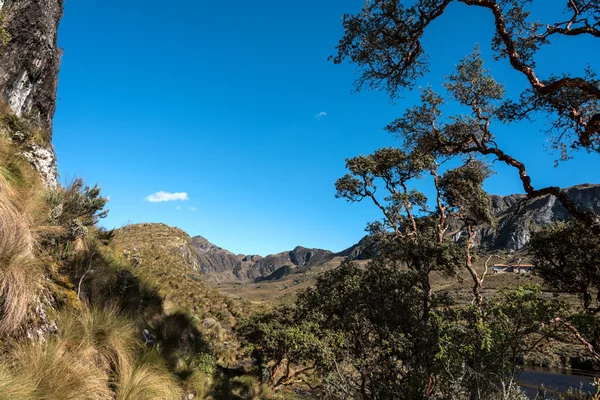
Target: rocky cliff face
(213,259)
(30,58)
(517,217)
(300,257)
(29,64)
(363,250)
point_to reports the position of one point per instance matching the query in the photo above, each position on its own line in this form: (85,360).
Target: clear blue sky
(219,100)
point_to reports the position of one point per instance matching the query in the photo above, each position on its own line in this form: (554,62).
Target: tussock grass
(18,268)
(147,379)
(14,387)
(199,384)
(96,355)
(54,370)
(110,334)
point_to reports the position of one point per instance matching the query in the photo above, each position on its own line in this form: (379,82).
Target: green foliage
(378,340)
(82,203)
(567,256)
(276,337)
(462,189)
(482,352)
(384,41)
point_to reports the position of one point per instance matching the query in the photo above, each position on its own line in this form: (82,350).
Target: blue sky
(221,101)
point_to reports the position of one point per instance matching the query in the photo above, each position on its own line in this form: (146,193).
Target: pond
(555,380)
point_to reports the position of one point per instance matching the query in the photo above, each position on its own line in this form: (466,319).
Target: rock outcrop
(362,250)
(29,64)
(213,259)
(30,58)
(300,257)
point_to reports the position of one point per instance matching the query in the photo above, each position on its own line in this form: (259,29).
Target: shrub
(83,204)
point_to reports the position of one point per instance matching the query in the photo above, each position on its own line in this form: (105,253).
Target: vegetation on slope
(81,318)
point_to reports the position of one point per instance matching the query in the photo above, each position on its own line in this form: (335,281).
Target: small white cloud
(164,196)
(178,208)
(192,208)
(320,115)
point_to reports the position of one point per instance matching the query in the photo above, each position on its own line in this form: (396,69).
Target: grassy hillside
(90,314)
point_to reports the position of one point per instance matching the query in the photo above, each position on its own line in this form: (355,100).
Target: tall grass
(111,335)
(14,387)
(147,379)
(18,269)
(56,371)
(96,355)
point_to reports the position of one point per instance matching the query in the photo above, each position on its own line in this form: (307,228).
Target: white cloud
(193,208)
(164,196)
(320,115)
(178,208)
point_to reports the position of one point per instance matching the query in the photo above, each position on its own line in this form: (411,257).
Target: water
(555,380)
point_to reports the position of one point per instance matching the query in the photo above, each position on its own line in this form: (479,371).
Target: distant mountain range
(516,218)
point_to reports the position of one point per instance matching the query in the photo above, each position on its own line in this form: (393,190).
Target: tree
(567,257)
(278,340)
(384,41)
(379,344)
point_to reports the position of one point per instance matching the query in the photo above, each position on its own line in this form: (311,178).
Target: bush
(82,204)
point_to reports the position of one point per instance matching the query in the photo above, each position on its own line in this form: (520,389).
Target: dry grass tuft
(147,379)
(14,387)
(199,384)
(56,371)
(18,269)
(106,330)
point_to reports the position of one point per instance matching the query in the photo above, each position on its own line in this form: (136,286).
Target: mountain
(221,265)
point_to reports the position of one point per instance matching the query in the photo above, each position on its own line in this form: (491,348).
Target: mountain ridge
(516,218)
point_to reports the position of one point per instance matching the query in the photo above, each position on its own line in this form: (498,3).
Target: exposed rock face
(44,161)
(213,259)
(517,217)
(363,250)
(29,64)
(30,60)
